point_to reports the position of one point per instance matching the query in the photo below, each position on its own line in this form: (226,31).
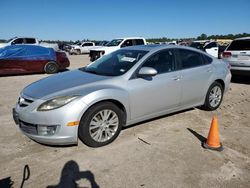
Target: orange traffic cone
(213,140)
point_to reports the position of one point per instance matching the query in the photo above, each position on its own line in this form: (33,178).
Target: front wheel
(101,124)
(214,97)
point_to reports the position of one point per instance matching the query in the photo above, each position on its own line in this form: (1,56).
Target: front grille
(28,128)
(24,102)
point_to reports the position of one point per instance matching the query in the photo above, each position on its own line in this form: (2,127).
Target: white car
(211,47)
(82,48)
(114,45)
(238,56)
(20,40)
(28,41)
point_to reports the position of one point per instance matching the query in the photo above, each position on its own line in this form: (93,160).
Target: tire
(214,97)
(51,68)
(101,124)
(78,52)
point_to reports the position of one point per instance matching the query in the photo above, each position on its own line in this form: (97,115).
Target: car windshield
(116,63)
(114,42)
(10,39)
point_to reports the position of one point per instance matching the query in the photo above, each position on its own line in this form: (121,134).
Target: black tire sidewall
(207,105)
(47,69)
(83,130)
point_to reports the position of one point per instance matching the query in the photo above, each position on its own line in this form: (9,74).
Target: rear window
(138,42)
(239,45)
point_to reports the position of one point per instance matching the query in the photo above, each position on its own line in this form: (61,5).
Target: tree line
(203,36)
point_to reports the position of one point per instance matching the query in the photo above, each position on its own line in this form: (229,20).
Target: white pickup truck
(28,40)
(114,45)
(81,48)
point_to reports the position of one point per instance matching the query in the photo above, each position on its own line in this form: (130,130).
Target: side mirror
(147,72)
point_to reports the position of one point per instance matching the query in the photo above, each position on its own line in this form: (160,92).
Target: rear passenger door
(196,75)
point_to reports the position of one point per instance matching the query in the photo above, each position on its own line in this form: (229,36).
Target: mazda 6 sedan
(130,85)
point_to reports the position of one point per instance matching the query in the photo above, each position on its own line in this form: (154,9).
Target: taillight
(227,54)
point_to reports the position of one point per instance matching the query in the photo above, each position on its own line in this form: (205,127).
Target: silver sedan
(122,88)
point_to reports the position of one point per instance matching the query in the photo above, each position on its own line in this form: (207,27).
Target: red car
(18,59)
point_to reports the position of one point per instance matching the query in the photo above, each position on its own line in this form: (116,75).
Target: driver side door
(159,94)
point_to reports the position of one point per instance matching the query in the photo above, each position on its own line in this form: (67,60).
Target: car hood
(3,45)
(68,83)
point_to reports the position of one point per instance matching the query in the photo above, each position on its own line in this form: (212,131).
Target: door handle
(209,70)
(176,78)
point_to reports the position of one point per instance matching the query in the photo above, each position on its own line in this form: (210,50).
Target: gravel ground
(164,152)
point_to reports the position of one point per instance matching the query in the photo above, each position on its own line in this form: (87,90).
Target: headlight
(56,103)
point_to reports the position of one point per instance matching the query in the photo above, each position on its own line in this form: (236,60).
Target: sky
(108,19)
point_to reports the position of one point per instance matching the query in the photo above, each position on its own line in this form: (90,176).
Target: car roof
(125,38)
(243,38)
(156,47)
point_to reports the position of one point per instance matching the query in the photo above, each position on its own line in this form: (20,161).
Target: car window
(30,41)
(211,45)
(127,43)
(197,45)
(162,61)
(239,45)
(114,42)
(18,41)
(88,44)
(189,59)
(138,42)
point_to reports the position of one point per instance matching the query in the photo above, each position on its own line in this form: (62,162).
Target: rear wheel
(101,124)
(51,68)
(214,97)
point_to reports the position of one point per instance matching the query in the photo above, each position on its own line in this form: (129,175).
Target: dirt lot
(164,152)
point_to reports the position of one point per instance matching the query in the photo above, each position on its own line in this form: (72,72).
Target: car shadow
(241,79)
(156,118)
(35,73)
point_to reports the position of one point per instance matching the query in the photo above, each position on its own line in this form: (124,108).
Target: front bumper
(30,121)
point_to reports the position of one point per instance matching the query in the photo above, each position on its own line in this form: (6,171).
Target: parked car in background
(114,45)
(238,55)
(211,47)
(101,43)
(19,59)
(124,87)
(28,41)
(20,40)
(65,47)
(82,48)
